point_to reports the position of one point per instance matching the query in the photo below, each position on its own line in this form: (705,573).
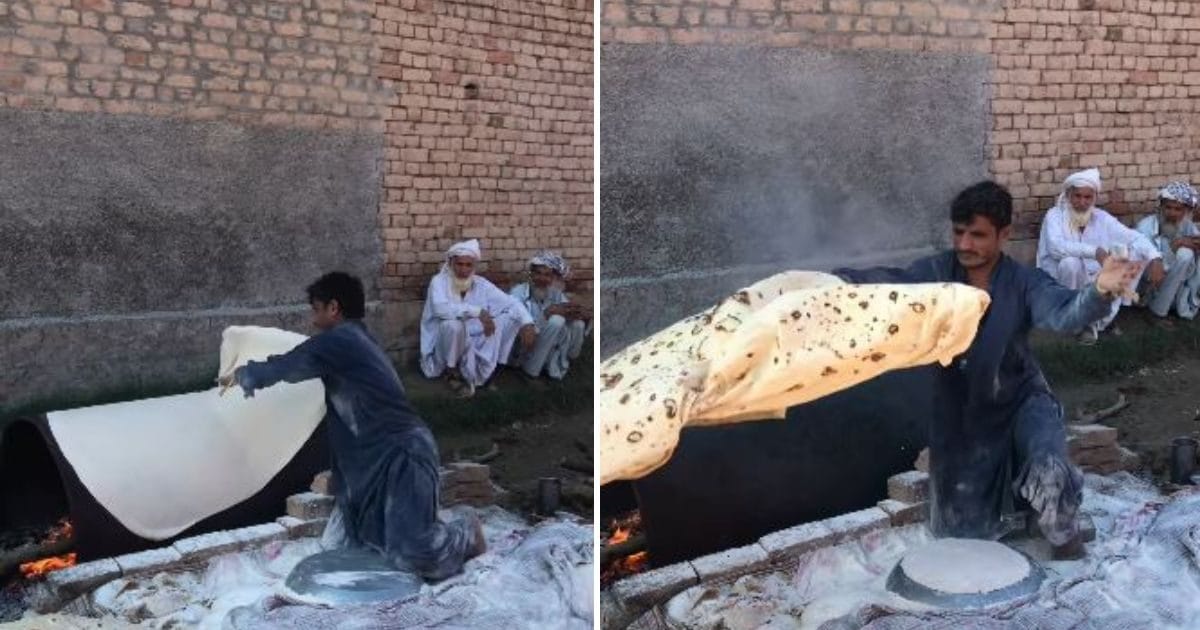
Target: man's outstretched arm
(302,363)
(921,270)
(1055,307)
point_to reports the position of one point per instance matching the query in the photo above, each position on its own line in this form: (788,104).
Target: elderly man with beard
(1171,230)
(561,324)
(1077,237)
(469,325)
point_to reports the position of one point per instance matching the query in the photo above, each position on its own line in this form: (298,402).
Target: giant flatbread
(160,465)
(786,340)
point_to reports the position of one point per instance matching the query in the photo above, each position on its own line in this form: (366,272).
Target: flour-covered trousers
(1076,273)
(461,344)
(559,341)
(1180,289)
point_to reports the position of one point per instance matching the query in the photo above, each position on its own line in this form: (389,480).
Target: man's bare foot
(1073,549)
(480,541)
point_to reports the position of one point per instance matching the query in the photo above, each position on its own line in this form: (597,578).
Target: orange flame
(39,568)
(622,530)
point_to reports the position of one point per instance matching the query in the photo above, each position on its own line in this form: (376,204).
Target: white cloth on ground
(1181,287)
(1069,256)
(559,341)
(452,334)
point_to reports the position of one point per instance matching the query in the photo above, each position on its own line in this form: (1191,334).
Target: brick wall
(1105,83)
(913,25)
(489,135)
(483,109)
(304,64)
(1075,83)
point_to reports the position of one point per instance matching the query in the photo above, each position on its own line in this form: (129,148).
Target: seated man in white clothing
(469,326)
(1077,236)
(1175,235)
(561,324)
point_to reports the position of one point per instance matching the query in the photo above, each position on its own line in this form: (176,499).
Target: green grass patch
(1066,361)
(514,399)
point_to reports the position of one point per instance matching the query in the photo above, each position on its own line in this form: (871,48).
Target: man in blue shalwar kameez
(385,460)
(997,428)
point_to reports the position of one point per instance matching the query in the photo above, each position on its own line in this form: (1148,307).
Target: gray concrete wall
(128,243)
(721,165)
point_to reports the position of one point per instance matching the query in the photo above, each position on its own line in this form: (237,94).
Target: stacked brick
(908,25)
(295,64)
(467,483)
(1094,448)
(489,136)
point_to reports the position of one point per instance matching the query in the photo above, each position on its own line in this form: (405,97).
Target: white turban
(1083,179)
(466,248)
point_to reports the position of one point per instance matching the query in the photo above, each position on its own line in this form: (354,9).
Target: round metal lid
(905,586)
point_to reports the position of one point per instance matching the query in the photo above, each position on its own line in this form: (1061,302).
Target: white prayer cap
(466,248)
(1083,179)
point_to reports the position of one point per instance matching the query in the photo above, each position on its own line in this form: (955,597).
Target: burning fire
(39,568)
(622,530)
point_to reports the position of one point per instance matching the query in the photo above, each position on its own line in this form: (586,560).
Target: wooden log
(12,559)
(627,547)
(1085,417)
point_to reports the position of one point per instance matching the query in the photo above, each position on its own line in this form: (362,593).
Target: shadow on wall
(721,165)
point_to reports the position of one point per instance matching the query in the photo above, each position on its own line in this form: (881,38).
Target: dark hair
(987,199)
(343,287)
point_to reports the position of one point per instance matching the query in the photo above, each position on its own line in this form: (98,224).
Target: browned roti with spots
(784,341)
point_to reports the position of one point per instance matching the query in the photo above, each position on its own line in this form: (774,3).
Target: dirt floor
(1157,370)
(539,428)
(532,449)
(1163,404)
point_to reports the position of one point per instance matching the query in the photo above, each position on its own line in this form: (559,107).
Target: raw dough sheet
(160,465)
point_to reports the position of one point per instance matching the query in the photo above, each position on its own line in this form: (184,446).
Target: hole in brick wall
(471,91)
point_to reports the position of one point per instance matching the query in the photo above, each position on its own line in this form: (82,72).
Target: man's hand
(558,309)
(1156,272)
(230,380)
(528,336)
(1117,276)
(225,382)
(1183,241)
(489,324)
(1101,255)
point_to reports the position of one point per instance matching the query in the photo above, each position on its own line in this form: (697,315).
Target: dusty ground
(531,449)
(537,426)
(1163,405)
(1156,369)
